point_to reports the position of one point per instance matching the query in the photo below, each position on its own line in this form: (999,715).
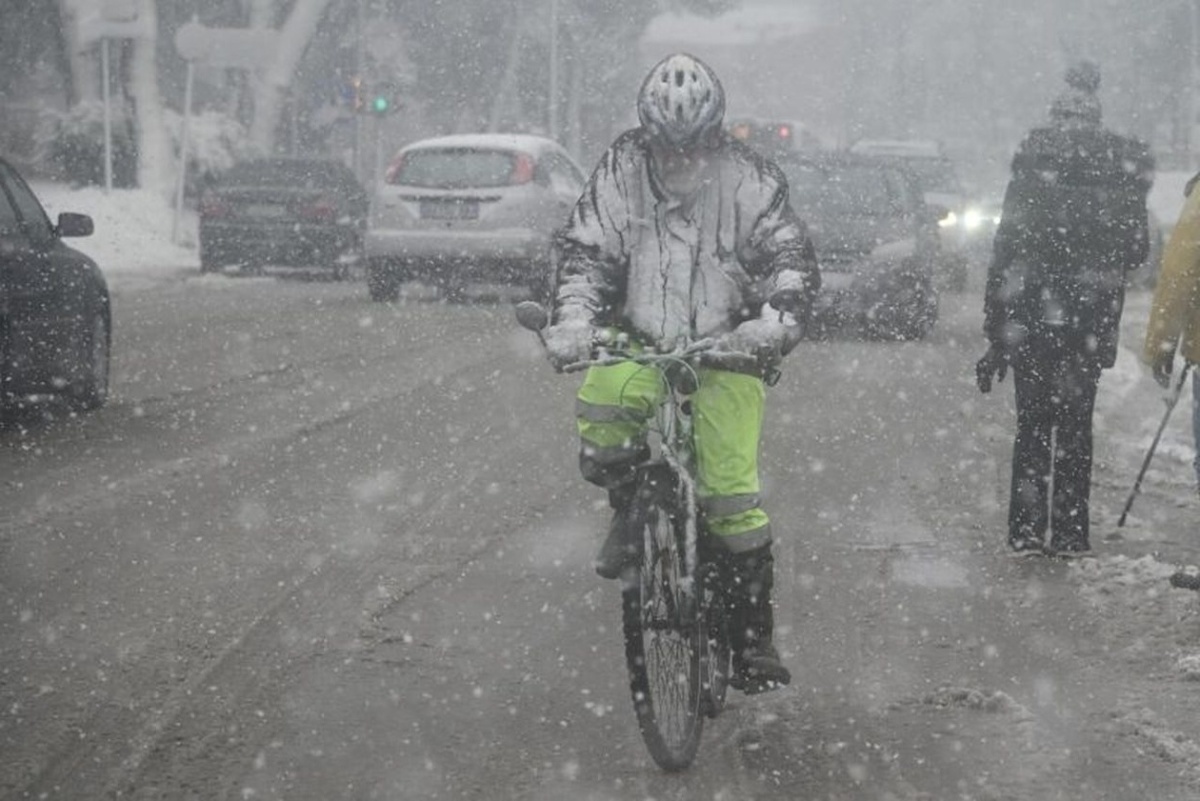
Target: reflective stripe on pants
(617,402)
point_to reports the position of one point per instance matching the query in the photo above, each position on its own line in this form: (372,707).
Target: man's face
(680,168)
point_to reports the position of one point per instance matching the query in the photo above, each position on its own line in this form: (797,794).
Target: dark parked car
(55,323)
(943,191)
(283,211)
(876,239)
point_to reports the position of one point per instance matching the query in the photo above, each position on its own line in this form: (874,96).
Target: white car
(469,208)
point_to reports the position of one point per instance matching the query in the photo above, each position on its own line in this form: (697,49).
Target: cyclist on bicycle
(683,233)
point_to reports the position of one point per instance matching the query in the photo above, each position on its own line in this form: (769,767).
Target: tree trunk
(502,104)
(272,88)
(153,145)
(84,63)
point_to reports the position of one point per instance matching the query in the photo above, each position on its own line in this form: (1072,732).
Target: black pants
(1056,383)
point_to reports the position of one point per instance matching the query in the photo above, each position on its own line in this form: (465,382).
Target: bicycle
(674,605)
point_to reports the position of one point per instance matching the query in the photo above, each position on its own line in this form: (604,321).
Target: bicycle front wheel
(664,636)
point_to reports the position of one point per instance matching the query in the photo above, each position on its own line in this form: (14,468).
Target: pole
(1137,485)
(553,104)
(1194,76)
(360,63)
(104,79)
(377,170)
(183,148)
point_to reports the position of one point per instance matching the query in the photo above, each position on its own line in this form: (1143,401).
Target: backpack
(1080,202)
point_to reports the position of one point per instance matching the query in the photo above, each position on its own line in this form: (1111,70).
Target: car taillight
(393,171)
(321,210)
(212,205)
(522,169)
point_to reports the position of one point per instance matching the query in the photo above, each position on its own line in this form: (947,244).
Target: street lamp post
(1189,131)
(553,104)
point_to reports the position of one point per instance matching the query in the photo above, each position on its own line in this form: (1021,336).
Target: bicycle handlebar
(702,351)
(533,316)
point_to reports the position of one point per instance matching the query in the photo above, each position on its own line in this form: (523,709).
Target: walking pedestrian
(1074,223)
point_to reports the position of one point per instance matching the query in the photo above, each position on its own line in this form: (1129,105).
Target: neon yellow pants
(615,406)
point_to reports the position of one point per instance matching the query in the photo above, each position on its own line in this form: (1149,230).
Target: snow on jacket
(634,256)
(1074,222)
(1175,312)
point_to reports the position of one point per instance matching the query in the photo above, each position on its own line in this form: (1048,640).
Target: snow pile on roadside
(1138,608)
(1166,196)
(133,228)
(1155,736)
(996,701)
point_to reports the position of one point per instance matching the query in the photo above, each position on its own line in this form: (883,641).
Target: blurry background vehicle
(876,239)
(470,208)
(943,191)
(773,138)
(294,212)
(978,224)
(55,319)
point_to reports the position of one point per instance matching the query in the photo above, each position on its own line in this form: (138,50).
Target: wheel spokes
(669,641)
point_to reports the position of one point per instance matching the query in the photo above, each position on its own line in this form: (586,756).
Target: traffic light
(383,99)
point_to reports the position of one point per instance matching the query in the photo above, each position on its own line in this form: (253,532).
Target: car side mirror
(71,224)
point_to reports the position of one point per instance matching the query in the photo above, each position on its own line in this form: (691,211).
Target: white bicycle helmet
(681,101)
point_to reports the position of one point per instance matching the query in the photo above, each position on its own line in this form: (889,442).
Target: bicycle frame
(665,610)
(674,427)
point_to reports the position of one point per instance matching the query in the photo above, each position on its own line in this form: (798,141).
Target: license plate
(265,210)
(449,209)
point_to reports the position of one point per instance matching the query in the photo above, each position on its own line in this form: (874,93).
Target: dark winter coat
(1074,222)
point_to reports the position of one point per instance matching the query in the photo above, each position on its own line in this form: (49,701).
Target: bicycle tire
(716,656)
(665,633)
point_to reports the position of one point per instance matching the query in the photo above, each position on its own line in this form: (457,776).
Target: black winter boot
(620,547)
(756,663)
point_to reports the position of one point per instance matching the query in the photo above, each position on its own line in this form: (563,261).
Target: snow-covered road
(322,548)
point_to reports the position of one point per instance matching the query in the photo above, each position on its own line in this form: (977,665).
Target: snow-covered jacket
(634,256)
(1175,312)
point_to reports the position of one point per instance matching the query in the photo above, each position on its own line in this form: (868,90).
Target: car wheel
(207,264)
(958,273)
(453,291)
(923,319)
(383,283)
(6,400)
(920,313)
(92,390)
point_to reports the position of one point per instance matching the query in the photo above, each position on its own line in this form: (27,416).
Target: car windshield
(285,172)
(455,168)
(828,190)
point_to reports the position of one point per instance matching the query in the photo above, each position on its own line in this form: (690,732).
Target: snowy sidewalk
(132,242)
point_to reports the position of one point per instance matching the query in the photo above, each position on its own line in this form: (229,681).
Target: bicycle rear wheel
(664,634)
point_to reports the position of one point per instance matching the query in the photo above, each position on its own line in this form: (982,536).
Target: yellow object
(1175,312)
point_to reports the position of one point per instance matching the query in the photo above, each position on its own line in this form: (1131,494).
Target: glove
(1163,366)
(994,363)
(569,342)
(766,339)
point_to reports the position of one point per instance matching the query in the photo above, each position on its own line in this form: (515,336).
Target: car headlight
(949,221)
(972,219)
